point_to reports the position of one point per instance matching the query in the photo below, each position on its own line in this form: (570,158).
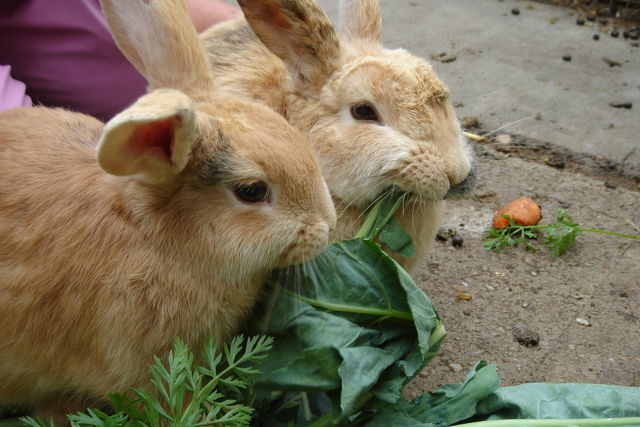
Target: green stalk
(371,226)
(351,309)
(369,222)
(581,422)
(591,230)
(628,236)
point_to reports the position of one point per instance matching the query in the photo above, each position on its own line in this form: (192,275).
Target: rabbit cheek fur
(99,273)
(416,143)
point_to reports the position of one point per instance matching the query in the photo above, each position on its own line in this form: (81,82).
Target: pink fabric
(12,92)
(63,51)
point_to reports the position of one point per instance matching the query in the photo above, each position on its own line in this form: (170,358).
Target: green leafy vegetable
(559,236)
(450,404)
(350,332)
(542,400)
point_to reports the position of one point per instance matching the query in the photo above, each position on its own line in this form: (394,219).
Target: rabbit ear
(360,19)
(152,138)
(299,33)
(159,39)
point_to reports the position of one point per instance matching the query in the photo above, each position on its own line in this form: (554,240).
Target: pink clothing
(12,92)
(63,51)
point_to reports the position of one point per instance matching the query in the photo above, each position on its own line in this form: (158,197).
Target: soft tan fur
(317,73)
(100,271)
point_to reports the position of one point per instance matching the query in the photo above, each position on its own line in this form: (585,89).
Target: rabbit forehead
(249,140)
(403,87)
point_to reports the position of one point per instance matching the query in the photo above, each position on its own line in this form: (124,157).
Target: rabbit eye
(252,193)
(364,112)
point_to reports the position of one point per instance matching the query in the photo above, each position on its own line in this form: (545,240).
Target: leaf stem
(613,233)
(373,224)
(354,309)
(582,422)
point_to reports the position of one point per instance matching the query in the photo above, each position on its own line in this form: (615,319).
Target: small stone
(610,185)
(455,367)
(515,11)
(525,336)
(556,163)
(470,122)
(583,322)
(566,58)
(466,312)
(464,296)
(448,59)
(490,288)
(626,105)
(596,36)
(611,62)
(534,273)
(504,140)
(457,241)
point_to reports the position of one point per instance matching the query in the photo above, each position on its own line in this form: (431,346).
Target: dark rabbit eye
(252,193)
(364,112)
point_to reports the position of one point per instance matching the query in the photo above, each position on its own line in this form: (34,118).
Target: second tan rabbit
(195,196)
(376,117)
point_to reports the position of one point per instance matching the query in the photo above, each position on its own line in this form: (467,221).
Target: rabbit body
(194,198)
(376,117)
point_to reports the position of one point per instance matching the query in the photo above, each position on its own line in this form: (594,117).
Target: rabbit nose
(463,187)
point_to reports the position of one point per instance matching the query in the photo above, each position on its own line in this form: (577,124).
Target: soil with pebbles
(539,318)
(626,13)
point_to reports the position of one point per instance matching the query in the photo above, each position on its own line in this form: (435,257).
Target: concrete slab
(509,70)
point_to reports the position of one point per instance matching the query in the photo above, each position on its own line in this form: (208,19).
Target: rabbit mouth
(311,240)
(463,188)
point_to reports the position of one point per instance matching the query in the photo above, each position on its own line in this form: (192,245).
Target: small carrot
(523,211)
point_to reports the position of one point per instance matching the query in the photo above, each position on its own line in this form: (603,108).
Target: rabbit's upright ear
(159,39)
(360,19)
(153,138)
(299,33)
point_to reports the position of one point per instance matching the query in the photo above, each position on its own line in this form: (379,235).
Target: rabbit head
(263,191)
(377,118)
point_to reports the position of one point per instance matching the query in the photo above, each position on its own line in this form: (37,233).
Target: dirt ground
(625,12)
(581,308)
(583,305)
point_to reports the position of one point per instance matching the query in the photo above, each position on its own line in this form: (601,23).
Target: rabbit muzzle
(310,241)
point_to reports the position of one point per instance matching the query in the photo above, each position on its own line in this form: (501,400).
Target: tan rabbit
(194,198)
(376,117)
